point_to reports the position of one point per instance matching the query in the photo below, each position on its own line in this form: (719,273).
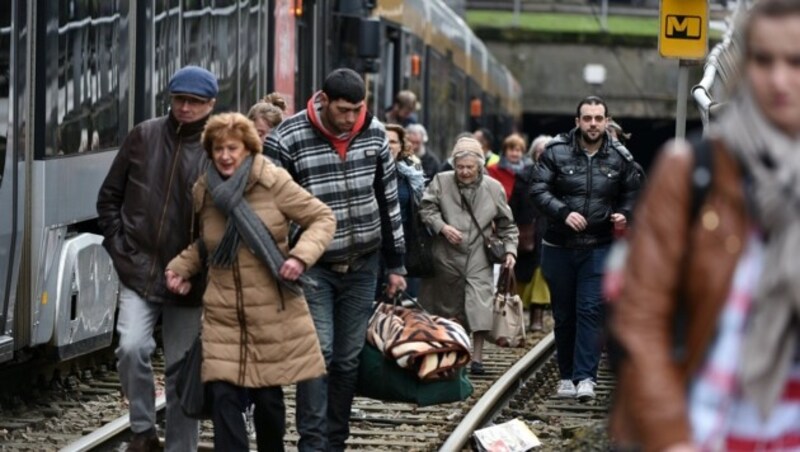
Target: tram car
(77,75)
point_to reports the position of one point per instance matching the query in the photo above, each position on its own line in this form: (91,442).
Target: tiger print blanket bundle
(431,346)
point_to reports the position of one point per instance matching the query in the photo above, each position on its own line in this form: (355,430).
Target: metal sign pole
(517,7)
(683,89)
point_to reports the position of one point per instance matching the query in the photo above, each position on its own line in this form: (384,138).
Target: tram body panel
(82,73)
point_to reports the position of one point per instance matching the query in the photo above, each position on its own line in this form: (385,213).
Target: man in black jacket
(145,213)
(586,184)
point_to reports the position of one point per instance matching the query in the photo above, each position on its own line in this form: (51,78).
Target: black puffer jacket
(567,180)
(145,205)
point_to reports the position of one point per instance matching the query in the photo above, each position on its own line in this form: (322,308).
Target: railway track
(528,392)
(519,383)
(375,425)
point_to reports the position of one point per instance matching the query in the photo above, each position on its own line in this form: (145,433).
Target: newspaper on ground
(511,436)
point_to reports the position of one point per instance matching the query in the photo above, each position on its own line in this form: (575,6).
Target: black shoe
(476,368)
(146,441)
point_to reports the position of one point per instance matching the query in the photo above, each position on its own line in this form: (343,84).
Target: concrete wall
(639,83)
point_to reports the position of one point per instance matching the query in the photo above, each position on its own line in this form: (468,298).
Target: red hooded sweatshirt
(340,142)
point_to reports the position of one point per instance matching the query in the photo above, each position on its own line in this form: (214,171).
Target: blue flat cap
(194,81)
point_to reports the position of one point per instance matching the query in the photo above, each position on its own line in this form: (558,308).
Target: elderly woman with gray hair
(462,285)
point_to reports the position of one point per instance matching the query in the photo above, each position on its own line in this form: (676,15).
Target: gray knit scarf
(414,176)
(772,161)
(243,223)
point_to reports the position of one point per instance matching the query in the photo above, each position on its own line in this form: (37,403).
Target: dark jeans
(341,305)
(230,433)
(575,281)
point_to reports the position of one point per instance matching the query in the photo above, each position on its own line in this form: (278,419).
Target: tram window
(438,106)
(344,53)
(167,50)
(414,81)
(88,76)
(249,52)
(209,40)
(5,81)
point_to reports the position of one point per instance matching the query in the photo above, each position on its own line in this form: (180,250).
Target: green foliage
(570,24)
(557,22)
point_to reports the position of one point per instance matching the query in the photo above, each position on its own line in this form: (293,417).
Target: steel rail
(717,68)
(501,390)
(108,431)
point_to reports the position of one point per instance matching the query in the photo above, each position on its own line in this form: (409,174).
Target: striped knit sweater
(361,189)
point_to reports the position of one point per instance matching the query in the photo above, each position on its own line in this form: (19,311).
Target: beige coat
(462,285)
(256,334)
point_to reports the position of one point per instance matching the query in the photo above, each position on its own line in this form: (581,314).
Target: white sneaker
(585,390)
(566,389)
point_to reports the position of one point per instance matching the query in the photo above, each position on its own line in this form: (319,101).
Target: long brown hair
(405,149)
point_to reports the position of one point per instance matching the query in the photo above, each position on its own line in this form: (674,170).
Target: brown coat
(651,406)
(269,339)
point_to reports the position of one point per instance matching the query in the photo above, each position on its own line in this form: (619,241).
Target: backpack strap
(700,179)
(621,150)
(702,174)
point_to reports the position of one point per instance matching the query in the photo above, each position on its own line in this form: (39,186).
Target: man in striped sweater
(338,151)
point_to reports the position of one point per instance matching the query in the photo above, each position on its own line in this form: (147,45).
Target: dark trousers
(340,305)
(230,433)
(575,281)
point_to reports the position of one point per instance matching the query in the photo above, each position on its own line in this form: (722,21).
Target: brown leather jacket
(145,205)
(669,257)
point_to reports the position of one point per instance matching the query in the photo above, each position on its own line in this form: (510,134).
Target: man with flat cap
(145,213)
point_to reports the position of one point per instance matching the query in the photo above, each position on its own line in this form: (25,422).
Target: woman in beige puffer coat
(257,334)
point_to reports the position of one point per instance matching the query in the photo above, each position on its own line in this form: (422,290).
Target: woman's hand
(510,261)
(176,283)
(452,234)
(292,269)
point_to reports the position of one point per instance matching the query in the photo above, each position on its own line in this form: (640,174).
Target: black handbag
(495,248)
(192,392)
(419,252)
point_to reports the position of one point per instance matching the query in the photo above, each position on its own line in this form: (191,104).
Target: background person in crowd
(146,217)
(537,146)
(448,164)
(410,185)
(257,332)
(486,139)
(617,133)
(267,114)
(535,294)
(313,145)
(462,285)
(417,138)
(729,277)
(403,109)
(585,185)
(513,171)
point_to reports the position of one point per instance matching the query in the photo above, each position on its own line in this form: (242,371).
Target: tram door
(390,80)
(9,206)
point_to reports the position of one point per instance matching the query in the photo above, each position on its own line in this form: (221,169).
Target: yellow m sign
(684,29)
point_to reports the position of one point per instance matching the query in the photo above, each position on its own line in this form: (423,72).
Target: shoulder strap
(702,174)
(700,181)
(466,204)
(561,138)
(621,150)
